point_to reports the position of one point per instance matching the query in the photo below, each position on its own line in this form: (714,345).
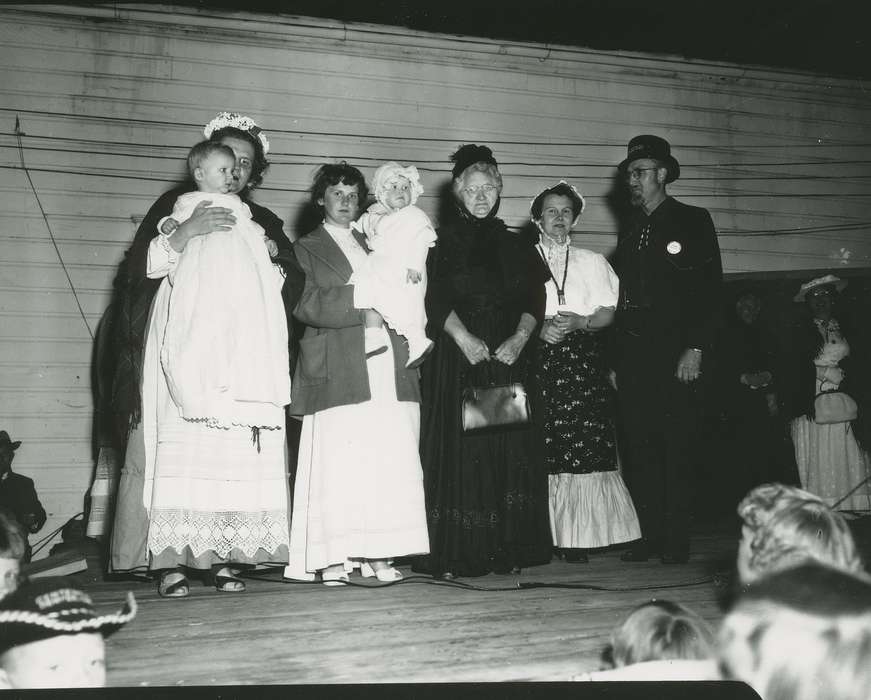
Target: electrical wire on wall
(18,134)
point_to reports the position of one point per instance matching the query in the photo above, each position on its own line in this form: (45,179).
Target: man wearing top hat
(17,492)
(670,274)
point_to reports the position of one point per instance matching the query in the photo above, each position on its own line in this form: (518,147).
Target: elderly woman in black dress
(590,506)
(486,493)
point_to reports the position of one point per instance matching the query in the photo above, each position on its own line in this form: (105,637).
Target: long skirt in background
(831,463)
(203,495)
(590,505)
(359,488)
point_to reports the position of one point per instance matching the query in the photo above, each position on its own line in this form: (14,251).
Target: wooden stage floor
(416,631)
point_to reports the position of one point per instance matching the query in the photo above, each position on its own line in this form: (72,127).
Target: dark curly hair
(563,189)
(332,174)
(260,164)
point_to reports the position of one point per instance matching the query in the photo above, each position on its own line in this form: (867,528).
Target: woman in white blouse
(590,506)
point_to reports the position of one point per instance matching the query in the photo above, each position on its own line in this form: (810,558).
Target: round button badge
(673,247)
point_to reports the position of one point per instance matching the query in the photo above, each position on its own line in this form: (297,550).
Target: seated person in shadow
(17,493)
(758,447)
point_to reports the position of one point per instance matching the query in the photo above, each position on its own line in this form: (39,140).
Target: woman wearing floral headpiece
(193,494)
(590,505)
(486,493)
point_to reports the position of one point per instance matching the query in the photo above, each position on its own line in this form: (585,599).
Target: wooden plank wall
(110,98)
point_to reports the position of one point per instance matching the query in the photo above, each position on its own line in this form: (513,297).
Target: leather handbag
(834,406)
(495,407)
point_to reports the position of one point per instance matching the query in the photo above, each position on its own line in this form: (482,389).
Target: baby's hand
(169,226)
(413,276)
(271,247)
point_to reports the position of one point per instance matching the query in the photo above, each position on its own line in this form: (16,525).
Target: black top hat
(5,440)
(470,154)
(51,606)
(655,148)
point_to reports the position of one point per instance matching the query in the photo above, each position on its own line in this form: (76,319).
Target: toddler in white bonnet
(399,234)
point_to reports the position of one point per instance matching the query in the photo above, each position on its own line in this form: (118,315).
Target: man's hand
(689,366)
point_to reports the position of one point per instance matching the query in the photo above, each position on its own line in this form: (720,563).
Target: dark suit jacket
(331,370)
(18,494)
(682,273)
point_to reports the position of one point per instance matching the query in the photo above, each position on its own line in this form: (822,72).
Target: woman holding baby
(358,498)
(201,492)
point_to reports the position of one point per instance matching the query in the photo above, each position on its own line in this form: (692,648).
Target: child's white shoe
(418,349)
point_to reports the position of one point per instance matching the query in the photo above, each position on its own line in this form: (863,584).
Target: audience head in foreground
(784,526)
(661,630)
(51,636)
(801,634)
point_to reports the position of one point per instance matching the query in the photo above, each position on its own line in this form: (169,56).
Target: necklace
(560,288)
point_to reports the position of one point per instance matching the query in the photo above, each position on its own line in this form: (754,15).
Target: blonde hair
(790,526)
(801,634)
(661,629)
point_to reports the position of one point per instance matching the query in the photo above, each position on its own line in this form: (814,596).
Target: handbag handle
(509,380)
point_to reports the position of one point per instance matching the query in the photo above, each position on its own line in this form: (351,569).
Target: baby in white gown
(224,350)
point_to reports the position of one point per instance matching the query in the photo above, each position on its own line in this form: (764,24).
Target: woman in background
(825,354)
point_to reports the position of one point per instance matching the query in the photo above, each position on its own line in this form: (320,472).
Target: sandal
(179,588)
(227,584)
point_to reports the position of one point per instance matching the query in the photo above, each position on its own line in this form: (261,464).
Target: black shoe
(640,551)
(675,558)
(576,556)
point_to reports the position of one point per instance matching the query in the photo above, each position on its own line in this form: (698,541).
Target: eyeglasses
(487,190)
(635,173)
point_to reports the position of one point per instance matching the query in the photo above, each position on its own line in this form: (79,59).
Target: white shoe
(336,577)
(385,575)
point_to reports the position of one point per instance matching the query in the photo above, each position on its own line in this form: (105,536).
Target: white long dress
(830,461)
(211,494)
(224,349)
(359,484)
